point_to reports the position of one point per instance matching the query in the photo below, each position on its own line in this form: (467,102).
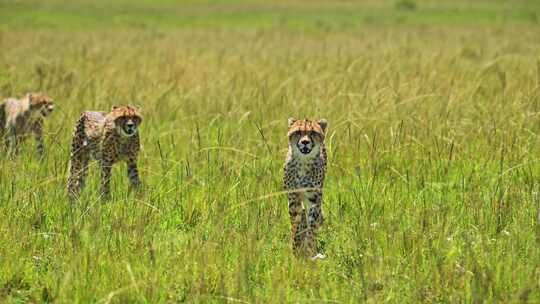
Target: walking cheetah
(22,117)
(107,138)
(305,168)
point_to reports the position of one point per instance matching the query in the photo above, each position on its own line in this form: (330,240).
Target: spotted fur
(305,169)
(106,138)
(22,117)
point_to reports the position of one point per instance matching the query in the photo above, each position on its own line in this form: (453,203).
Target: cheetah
(106,138)
(22,117)
(304,172)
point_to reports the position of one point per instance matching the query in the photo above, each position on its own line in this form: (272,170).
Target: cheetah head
(41,103)
(306,136)
(126,120)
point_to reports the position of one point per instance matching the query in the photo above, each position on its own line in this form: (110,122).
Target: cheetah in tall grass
(305,168)
(20,118)
(107,138)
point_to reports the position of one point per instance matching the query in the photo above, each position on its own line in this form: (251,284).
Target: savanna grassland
(433,185)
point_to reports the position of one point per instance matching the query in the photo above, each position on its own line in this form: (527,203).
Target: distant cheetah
(107,138)
(22,117)
(305,168)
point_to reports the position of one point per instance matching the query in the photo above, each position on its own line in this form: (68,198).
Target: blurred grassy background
(432,191)
(314,15)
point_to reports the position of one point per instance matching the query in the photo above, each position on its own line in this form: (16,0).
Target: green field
(433,184)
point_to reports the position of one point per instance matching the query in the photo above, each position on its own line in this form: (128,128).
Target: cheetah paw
(318,256)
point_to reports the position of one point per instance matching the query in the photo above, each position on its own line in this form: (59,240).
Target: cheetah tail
(78,137)
(76,165)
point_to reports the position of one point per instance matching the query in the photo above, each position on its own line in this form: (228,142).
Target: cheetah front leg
(298,220)
(133,173)
(38,135)
(2,134)
(3,138)
(314,220)
(12,142)
(106,168)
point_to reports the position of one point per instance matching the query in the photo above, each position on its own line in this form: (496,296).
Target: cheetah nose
(129,124)
(304,141)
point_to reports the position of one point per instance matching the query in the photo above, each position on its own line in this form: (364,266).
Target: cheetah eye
(296,134)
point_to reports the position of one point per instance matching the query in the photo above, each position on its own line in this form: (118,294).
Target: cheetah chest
(113,150)
(118,151)
(305,173)
(24,123)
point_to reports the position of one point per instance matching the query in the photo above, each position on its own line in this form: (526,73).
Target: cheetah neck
(305,170)
(305,162)
(110,133)
(24,108)
(25,104)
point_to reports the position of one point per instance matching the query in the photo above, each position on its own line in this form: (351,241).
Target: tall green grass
(432,190)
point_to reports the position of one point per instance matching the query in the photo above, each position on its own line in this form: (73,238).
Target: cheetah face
(127,126)
(305,136)
(127,120)
(41,103)
(47,109)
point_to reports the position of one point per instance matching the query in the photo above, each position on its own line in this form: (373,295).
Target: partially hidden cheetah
(22,117)
(305,168)
(107,138)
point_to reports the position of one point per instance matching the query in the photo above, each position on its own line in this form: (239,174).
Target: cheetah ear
(291,121)
(114,108)
(29,96)
(323,123)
